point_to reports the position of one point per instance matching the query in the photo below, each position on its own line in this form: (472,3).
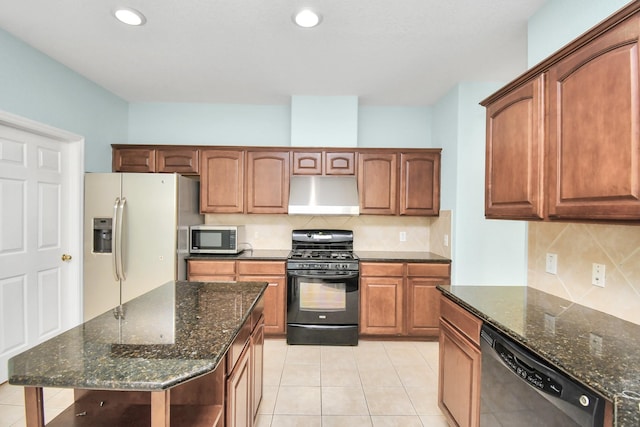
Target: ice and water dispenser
(102,233)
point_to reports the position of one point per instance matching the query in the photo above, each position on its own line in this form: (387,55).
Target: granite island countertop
(562,332)
(174,333)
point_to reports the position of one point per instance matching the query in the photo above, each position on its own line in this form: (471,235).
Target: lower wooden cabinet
(257,366)
(272,272)
(459,365)
(401,299)
(238,407)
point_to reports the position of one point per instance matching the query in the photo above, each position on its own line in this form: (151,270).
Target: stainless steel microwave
(216,239)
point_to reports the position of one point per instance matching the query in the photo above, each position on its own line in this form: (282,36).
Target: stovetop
(322,250)
(312,254)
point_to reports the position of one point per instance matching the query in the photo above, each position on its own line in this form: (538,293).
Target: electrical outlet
(446,240)
(598,275)
(403,236)
(595,343)
(551,265)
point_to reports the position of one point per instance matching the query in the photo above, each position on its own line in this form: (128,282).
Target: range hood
(323,195)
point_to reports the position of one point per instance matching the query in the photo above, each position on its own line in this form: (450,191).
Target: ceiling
(387,52)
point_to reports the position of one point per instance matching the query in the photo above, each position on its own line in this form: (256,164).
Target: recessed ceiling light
(306,18)
(129,16)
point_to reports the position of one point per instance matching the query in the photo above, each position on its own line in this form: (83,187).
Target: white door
(40,219)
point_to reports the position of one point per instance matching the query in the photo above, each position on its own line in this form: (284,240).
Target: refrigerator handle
(116,240)
(121,206)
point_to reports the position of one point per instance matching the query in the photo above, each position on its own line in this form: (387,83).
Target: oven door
(320,297)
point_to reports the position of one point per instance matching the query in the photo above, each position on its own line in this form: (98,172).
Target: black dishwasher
(519,388)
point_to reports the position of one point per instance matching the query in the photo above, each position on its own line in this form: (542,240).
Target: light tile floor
(374,384)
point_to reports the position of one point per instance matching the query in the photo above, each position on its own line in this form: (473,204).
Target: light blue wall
(483,251)
(330,121)
(38,88)
(558,22)
(395,126)
(209,124)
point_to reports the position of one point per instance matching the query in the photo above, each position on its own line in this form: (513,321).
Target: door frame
(74,147)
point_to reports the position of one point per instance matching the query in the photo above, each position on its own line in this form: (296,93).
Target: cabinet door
(134,160)
(222,181)
(594,142)
(381,301)
(423,306)
(339,163)
(275,297)
(238,408)
(307,163)
(515,154)
(419,183)
(377,183)
(179,160)
(267,181)
(459,378)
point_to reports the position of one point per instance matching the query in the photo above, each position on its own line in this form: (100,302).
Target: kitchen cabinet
(323,162)
(162,159)
(422,297)
(133,159)
(275,297)
(267,181)
(257,366)
(594,146)
(381,296)
(459,365)
(401,299)
(562,140)
(515,153)
(222,181)
(272,272)
(377,183)
(420,183)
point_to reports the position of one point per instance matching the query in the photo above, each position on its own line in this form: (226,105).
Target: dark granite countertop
(527,315)
(247,254)
(169,335)
(392,256)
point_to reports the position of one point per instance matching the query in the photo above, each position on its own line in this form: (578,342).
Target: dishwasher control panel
(528,373)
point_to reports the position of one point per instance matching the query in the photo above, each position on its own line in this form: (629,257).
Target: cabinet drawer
(383,269)
(211,268)
(461,319)
(235,350)
(256,268)
(428,270)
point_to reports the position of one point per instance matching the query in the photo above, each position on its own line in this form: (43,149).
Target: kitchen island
(594,348)
(177,355)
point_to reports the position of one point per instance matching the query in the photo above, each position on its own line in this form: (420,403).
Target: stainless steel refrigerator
(136,235)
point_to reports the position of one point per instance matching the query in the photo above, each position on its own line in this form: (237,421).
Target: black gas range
(323,288)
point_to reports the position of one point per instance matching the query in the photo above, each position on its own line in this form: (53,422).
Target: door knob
(66,257)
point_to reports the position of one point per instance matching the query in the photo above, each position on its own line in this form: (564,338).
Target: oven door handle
(320,275)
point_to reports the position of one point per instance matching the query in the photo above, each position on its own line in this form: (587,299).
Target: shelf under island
(186,353)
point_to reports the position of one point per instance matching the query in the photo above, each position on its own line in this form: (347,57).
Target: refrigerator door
(101,289)
(149,232)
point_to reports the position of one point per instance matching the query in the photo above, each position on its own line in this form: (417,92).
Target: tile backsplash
(371,232)
(578,246)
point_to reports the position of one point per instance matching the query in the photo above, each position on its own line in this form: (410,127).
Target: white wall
(36,87)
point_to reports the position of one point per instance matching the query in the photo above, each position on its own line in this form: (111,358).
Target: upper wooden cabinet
(420,183)
(594,123)
(515,153)
(323,162)
(267,181)
(377,183)
(562,139)
(169,159)
(404,183)
(222,181)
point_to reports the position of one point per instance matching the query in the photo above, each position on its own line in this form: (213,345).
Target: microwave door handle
(119,257)
(114,250)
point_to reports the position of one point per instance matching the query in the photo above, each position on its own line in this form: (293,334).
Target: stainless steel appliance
(216,239)
(136,235)
(322,288)
(518,388)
